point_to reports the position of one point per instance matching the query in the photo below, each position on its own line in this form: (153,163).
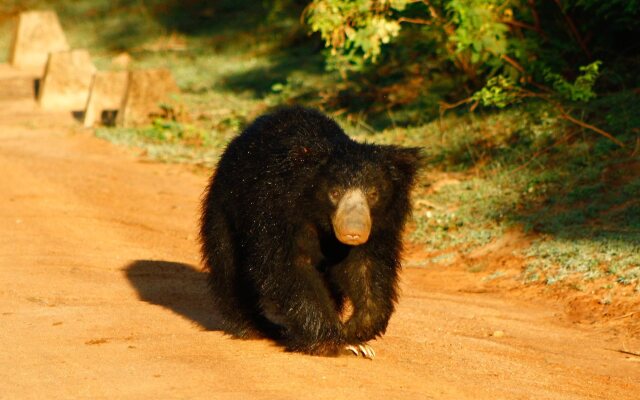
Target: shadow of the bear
(179,287)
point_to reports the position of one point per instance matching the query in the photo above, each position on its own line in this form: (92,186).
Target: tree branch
(565,115)
(534,14)
(574,30)
(415,21)
(444,106)
(514,63)
(524,25)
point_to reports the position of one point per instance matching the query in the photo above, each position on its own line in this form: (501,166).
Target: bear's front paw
(362,349)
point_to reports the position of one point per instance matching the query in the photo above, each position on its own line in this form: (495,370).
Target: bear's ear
(405,162)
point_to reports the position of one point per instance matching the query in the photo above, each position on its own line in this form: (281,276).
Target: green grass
(574,192)
(589,259)
(169,142)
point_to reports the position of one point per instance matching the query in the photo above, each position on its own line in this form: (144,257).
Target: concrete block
(66,81)
(37,34)
(146,91)
(107,93)
(121,61)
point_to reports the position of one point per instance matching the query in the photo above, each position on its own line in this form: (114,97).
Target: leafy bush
(499,52)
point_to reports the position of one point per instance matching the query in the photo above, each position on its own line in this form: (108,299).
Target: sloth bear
(301,233)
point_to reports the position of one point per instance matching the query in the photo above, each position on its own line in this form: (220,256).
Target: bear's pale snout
(352,218)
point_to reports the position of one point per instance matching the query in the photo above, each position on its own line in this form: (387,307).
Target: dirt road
(101,296)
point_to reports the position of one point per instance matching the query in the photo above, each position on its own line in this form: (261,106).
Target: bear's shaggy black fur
(276,266)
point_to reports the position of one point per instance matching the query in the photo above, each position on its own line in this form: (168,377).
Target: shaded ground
(101,296)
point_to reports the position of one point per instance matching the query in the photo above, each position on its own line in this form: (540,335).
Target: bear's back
(289,127)
(283,142)
(278,157)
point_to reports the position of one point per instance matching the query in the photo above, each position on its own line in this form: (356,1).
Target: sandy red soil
(102,296)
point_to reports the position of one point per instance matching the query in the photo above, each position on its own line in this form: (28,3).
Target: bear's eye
(372,195)
(334,195)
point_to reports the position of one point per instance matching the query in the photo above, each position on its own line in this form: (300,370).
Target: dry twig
(626,315)
(633,353)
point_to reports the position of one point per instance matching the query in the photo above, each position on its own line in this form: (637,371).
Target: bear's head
(364,188)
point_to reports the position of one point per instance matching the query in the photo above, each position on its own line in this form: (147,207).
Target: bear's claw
(363,349)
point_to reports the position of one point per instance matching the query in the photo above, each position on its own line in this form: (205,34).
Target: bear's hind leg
(235,318)
(233,302)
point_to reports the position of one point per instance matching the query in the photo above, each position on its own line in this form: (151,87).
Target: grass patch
(169,141)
